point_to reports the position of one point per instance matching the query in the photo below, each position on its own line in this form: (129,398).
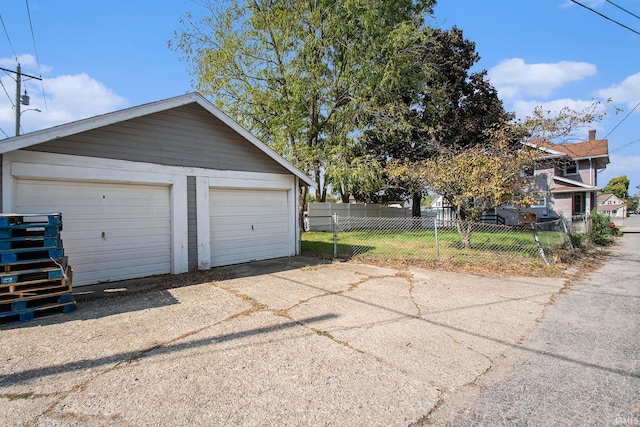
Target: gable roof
(61,131)
(570,186)
(584,150)
(602,198)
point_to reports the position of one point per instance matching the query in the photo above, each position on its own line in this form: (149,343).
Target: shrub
(579,240)
(601,233)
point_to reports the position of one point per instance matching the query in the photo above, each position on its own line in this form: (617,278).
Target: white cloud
(28,64)
(626,92)
(621,165)
(68,98)
(513,78)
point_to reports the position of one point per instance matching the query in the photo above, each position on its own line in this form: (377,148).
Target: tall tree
(449,112)
(304,76)
(475,179)
(618,186)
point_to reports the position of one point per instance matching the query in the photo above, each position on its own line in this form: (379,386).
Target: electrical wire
(622,8)
(7,93)
(635,141)
(33,37)
(625,118)
(8,38)
(5,134)
(605,17)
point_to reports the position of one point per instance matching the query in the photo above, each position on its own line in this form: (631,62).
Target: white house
(611,205)
(166,187)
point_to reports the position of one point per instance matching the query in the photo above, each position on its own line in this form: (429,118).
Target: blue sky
(97,57)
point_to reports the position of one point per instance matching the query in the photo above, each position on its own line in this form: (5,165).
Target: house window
(571,169)
(528,172)
(541,201)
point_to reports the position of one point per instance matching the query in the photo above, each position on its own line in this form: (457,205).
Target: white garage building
(166,187)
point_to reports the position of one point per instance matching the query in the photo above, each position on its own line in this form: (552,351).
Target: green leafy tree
(619,186)
(482,177)
(449,112)
(307,76)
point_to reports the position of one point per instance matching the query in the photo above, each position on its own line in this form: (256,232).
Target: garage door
(248,225)
(111,231)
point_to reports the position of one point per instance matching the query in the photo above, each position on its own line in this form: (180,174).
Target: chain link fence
(434,240)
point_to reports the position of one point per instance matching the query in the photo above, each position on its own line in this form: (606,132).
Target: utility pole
(18,87)
(20,100)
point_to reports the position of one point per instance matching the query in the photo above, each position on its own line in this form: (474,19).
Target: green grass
(487,247)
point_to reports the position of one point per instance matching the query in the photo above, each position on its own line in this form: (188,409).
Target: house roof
(592,149)
(584,150)
(571,186)
(61,131)
(602,198)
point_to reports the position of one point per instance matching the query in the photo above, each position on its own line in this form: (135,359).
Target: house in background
(611,205)
(566,177)
(166,187)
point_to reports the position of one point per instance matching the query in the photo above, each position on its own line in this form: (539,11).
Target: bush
(601,233)
(579,240)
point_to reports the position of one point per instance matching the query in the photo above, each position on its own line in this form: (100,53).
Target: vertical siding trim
(179,226)
(203,221)
(7,185)
(191,224)
(292,209)
(296,210)
(1,180)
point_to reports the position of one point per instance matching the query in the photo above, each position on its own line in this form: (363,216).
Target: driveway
(283,342)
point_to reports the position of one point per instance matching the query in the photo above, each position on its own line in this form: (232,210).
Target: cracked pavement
(281,342)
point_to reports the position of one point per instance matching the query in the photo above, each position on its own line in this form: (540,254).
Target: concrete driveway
(283,342)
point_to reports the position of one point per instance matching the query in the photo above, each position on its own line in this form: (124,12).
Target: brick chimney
(592,135)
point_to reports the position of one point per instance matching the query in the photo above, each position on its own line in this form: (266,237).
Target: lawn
(488,246)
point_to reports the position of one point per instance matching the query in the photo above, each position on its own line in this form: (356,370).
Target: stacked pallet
(35,279)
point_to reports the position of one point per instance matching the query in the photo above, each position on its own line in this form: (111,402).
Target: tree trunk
(344,195)
(464,227)
(415,205)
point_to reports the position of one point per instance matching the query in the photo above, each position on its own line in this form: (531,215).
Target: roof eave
(83,125)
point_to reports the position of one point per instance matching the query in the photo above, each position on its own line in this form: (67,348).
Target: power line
(7,93)
(5,134)
(622,8)
(635,141)
(625,118)
(8,38)
(605,17)
(33,37)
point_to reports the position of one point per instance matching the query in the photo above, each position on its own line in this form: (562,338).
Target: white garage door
(110,231)
(248,225)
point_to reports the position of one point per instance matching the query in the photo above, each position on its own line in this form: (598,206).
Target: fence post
(335,234)
(435,227)
(566,233)
(537,239)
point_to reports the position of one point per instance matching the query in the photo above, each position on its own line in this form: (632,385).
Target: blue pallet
(31,304)
(52,273)
(33,242)
(21,230)
(30,255)
(42,219)
(21,316)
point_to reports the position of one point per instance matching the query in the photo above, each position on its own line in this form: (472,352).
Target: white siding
(112,231)
(248,225)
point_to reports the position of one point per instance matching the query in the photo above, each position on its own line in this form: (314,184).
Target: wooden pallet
(33,272)
(30,220)
(28,255)
(35,301)
(20,316)
(27,242)
(43,289)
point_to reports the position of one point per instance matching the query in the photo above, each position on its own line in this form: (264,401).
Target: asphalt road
(579,367)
